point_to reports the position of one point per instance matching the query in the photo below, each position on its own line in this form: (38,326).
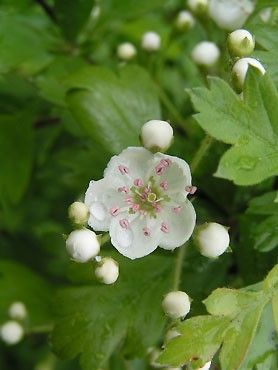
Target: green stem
(198,157)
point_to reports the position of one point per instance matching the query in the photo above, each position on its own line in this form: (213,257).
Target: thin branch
(48,10)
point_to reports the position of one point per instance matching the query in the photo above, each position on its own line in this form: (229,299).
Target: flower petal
(129,165)
(100,198)
(180,225)
(139,239)
(176,174)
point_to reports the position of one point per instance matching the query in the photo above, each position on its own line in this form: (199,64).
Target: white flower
(107,271)
(206,53)
(176,304)
(171,334)
(82,245)
(240,69)
(17,310)
(241,43)
(197,6)
(185,20)
(230,14)
(11,332)
(142,202)
(206,366)
(126,51)
(151,41)
(78,213)
(157,135)
(212,239)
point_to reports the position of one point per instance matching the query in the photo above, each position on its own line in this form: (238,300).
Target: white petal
(132,242)
(134,159)
(181,225)
(177,174)
(99,199)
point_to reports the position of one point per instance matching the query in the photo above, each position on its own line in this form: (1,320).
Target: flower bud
(107,271)
(82,245)
(241,43)
(17,310)
(126,51)
(197,6)
(212,239)
(156,135)
(171,334)
(151,41)
(206,366)
(11,332)
(185,20)
(176,304)
(78,213)
(205,54)
(230,14)
(240,69)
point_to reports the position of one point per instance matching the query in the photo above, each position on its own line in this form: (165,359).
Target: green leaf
(111,108)
(266,234)
(18,283)
(275,309)
(72,15)
(249,125)
(94,319)
(264,204)
(200,338)
(16,146)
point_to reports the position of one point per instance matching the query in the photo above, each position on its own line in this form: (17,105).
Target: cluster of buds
(12,331)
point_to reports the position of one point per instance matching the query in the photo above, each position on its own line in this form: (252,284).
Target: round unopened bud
(82,245)
(241,43)
(107,271)
(240,69)
(206,54)
(185,20)
(156,135)
(151,41)
(230,14)
(206,366)
(197,6)
(78,213)
(212,239)
(11,332)
(126,51)
(171,334)
(176,304)
(17,310)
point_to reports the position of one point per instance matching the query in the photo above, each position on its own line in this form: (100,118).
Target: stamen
(138,182)
(147,231)
(164,185)
(165,162)
(123,189)
(177,209)
(114,211)
(124,223)
(159,169)
(164,228)
(123,169)
(191,189)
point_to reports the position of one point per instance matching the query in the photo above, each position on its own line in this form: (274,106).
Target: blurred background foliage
(66,105)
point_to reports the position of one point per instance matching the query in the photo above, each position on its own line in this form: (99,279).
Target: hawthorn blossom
(142,202)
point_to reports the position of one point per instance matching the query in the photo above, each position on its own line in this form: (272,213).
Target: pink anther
(164,228)
(135,207)
(146,231)
(159,169)
(191,189)
(138,182)
(165,162)
(177,209)
(114,211)
(164,185)
(123,189)
(124,223)
(123,169)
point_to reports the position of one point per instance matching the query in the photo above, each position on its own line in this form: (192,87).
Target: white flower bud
(197,6)
(78,213)
(11,332)
(171,334)
(206,366)
(240,69)
(185,20)
(206,54)
(17,310)
(157,135)
(176,304)
(241,43)
(212,239)
(151,41)
(107,271)
(126,51)
(230,14)
(82,245)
